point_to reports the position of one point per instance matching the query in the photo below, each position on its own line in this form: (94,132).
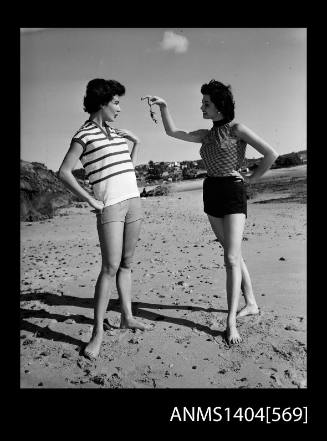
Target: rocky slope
(41,192)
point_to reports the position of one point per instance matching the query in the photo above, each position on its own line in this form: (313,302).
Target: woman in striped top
(104,154)
(223,152)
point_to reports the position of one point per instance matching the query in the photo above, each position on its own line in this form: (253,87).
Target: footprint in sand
(272,373)
(292,328)
(268,370)
(295,378)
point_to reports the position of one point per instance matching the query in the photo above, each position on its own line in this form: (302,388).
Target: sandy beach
(179,287)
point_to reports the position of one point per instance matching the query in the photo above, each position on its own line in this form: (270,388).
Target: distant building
(173,164)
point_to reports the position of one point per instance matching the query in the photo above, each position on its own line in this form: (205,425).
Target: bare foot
(132,323)
(248,310)
(92,349)
(232,335)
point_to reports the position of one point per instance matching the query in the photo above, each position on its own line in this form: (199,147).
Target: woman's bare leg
(251,306)
(111,243)
(124,279)
(233,233)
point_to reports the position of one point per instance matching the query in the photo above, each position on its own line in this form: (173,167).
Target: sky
(266,68)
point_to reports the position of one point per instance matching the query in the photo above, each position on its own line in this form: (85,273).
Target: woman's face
(111,110)
(209,110)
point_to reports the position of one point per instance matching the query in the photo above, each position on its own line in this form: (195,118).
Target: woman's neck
(219,122)
(97,118)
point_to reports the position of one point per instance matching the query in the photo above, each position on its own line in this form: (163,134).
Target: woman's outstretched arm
(169,125)
(269,154)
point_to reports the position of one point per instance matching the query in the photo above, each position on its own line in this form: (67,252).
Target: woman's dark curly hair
(222,98)
(100,92)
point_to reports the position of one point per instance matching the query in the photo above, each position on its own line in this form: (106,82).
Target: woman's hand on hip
(128,135)
(248,178)
(97,205)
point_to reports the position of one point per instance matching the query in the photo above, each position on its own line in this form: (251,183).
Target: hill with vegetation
(41,192)
(157,172)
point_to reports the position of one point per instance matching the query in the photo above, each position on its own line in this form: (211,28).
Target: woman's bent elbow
(274,155)
(62,174)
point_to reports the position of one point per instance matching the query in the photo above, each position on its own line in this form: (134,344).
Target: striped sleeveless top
(222,151)
(107,163)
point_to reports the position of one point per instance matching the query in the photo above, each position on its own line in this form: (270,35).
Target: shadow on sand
(140,309)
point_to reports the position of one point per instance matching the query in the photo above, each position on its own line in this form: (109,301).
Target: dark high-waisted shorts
(224,195)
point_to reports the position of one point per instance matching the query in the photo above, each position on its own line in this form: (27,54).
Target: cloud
(175,42)
(24,30)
